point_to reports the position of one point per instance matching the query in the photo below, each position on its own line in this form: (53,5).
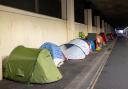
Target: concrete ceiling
(116,11)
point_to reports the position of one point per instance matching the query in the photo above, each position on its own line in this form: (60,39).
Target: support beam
(70,20)
(88,19)
(64,9)
(109,28)
(95,20)
(95,24)
(98,24)
(1,75)
(106,27)
(103,28)
(37,6)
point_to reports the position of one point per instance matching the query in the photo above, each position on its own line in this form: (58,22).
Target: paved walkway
(115,72)
(74,74)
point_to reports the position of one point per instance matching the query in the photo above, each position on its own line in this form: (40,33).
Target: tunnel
(86,43)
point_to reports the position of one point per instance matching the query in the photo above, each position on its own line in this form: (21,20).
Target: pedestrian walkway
(115,72)
(76,74)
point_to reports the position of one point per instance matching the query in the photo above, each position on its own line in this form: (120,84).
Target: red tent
(104,37)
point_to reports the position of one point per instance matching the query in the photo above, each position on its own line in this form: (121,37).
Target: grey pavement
(115,72)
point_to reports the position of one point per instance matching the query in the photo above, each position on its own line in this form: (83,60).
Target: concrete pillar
(112,29)
(70,20)
(95,21)
(95,24)
(98,24)
(88,19)
(106,27)
(103,28)
(64,9)
(108,30)
(1,76)
(37,6)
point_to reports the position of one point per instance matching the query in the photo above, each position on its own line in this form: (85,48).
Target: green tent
(31,65)
(81,35)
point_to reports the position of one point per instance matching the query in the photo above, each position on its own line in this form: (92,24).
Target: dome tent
(82,44)
(72,51)
(99,42)
(92,44)
(110,36)
(31,65)
(55,51)
(92,36)
(75,49)
(104,37)
(81,35)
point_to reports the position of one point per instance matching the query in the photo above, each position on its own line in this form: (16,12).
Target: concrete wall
(19,27)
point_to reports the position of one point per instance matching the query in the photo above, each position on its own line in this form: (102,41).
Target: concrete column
(108,31)
(95,20)
(70,20)
(103,28)
(106,27)
(37,6)
(98,24)
(95,24)
(109,28)
(1,76)
(64,9)
(88,19)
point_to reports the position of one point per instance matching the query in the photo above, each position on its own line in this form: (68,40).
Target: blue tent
(55,51)
(93,47)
